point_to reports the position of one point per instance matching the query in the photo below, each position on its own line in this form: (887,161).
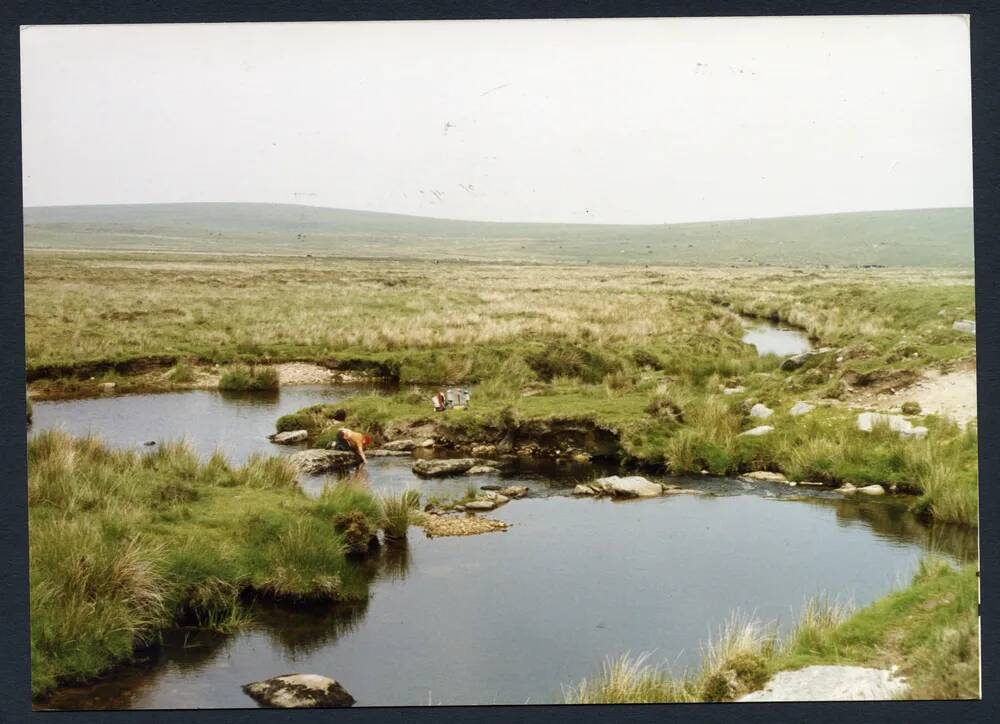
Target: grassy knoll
(124,544)
(930,630)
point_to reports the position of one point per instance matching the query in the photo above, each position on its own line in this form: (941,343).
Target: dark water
(776,339)
(512,617)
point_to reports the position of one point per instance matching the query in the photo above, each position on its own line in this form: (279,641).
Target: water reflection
(778,340)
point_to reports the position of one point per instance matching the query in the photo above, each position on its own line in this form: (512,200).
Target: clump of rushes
(181,374)
(124,543)
(397,512)
(249,378)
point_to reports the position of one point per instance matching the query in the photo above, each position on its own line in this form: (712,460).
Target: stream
(509,617)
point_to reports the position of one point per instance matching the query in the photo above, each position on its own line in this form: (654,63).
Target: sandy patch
(303,373)
(952,394)
(830,683)
(445,525)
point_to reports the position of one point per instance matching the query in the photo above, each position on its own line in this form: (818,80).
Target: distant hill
(924,237)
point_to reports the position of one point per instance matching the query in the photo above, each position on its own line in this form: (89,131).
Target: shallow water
(777,339)
(512,617)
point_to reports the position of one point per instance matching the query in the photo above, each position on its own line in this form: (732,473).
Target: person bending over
(353,441)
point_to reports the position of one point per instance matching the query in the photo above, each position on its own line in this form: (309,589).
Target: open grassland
(645,352)
(930,630)
(124,544)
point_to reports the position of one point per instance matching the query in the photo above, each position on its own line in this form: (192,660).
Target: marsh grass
(397,513)
(929,629)
(123,544)
(243,378)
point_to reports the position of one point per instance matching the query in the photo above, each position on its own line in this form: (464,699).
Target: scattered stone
(761,411)
(765,475)
(757,431)
(321,461)
(291,437)
(481,451)
(830,683)
(299,691)
(965,325)
(514,491)
(897,423)
(448,525)
(872,490)
(801,408)
(481,470)
(633,486)
(734,390)
(400,445)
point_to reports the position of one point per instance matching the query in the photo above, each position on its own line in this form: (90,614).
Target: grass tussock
(930,630)
(125,543)
(249,379)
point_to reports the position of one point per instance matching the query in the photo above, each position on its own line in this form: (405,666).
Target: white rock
(801,408)
(761,411)
(633,486)
(896,423)
(872,490)
(847,488)
(830,683)
(290,437)
(297,691)
(757,431)
(965,325)
(582,489)
(400,445)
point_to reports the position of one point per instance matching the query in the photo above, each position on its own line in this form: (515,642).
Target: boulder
(312,462)
(757,431)
(299,691)
(481,470)
(766,476)
(584,489)
(400,445)
(847,488)
(965,325)
(761,411)
(897,423)
(483,504)
(801,408)
(633,486)
(291,437)
(514,491)
(872,490)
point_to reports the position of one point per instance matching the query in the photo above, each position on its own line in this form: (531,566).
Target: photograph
(410,363)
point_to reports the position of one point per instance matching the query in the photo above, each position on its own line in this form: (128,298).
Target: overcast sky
(617,121)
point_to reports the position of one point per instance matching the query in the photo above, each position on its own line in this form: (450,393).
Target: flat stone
(766,476)
(321,461)
(757,431)
(633,486)
(761,411)
(481,505)
(443,468)
(847,488)
(514,491)
(830,683)
(400,445)
(290,437)
(897,423)
(801,408)
(481,470)
(299,691)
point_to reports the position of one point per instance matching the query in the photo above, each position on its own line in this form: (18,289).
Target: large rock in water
(443,468)
(290,437)
(299,691)
(312,462)
(633,486)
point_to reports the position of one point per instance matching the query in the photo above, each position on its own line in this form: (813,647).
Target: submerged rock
(321,461)
(514,491)
(761,411)
(830,683)
(483,504)
(757,431)
(299,691)
(481,470)
(290,437)
(801,408)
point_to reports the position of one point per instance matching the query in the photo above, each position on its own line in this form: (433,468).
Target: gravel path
(830,683)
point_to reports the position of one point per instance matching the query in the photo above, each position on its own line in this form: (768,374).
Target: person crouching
(352,441)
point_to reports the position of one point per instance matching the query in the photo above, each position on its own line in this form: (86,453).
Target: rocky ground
(951,394)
